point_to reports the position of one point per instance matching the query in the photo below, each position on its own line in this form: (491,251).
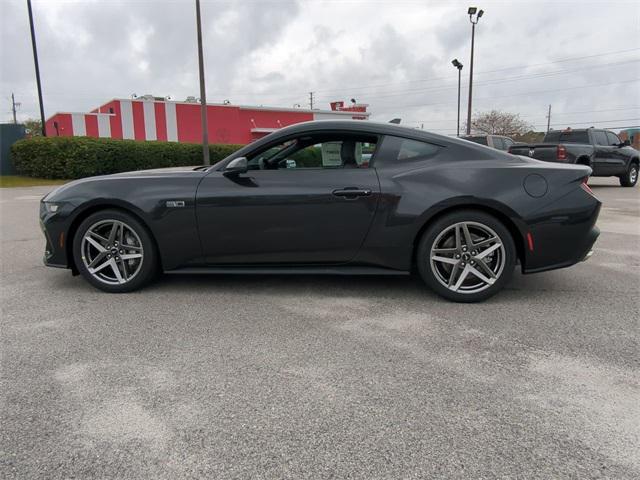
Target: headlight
(51,207)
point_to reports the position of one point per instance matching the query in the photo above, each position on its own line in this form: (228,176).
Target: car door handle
(352,192)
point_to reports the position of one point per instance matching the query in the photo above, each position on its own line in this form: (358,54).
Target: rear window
(575,136)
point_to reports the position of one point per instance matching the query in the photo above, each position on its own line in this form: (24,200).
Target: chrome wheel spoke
(101,256)
(95,244)
(451,261)
(116,271)
(103,241)
(489,250)
(445,251)
(481,276)
(130,256)
(461,278)
(452,276)
(485,268)
(113,233)
(485,243)
(467,235)
(106,263)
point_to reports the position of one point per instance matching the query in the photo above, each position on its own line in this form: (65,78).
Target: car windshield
(574,136)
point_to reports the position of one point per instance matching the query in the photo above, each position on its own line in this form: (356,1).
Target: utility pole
(13,108)
(549,119)
(203,93)
(35,61)
(311,100)
(471,12)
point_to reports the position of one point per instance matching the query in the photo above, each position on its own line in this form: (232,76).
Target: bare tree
(499,123)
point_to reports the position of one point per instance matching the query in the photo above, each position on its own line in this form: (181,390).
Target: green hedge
(78,157)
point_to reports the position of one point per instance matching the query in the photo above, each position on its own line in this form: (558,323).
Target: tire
(455,256)
(630,178)
(99,252)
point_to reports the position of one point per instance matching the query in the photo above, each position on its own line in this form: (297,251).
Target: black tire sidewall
(625,181)
(149,261)
(440,224)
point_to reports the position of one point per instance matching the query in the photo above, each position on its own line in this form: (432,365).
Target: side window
(600,138)
(498,143)
(414,150)
(507,143)
(317,151)
(613,139)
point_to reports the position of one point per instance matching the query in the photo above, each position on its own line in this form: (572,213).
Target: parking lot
(321,377)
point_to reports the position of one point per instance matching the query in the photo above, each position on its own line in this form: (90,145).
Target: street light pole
(35,61)
(472,11)
(203,93)
(458,65)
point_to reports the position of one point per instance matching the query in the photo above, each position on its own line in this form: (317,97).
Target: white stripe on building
(149,120)
(78,125)
(126,116)
(104,126)
(172,122)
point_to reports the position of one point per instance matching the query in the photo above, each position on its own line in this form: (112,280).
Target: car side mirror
(236,167)
(625,143)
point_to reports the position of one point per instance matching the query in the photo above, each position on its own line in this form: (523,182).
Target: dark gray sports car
(330,197)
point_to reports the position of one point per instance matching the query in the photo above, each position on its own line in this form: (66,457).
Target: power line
(395,107)
(533,116)
(490,71)
(486,82)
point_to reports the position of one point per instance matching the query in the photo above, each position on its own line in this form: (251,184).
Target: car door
(600,162)
(310,200)
(617,160)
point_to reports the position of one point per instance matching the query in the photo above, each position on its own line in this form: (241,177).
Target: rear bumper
(564,236)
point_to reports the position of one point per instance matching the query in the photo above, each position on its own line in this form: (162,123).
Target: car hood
(136,174)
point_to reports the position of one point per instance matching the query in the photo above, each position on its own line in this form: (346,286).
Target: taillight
(585,186)
(561,153)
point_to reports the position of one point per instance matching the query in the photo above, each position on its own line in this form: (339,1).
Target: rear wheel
(466,256)
(630,178)
(114,252)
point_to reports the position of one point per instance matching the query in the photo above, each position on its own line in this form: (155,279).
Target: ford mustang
(330,197)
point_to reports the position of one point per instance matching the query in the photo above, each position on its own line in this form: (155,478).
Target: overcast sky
(582,57)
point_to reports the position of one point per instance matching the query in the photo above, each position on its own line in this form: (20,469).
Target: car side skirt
(292,270)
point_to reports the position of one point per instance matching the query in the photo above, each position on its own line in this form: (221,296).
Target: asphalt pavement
(320,377)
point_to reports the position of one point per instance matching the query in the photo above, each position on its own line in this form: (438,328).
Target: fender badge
(175,203)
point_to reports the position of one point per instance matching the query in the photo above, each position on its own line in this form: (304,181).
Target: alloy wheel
(467,257)
(633,175)
(112,252)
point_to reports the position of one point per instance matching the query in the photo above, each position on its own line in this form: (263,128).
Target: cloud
(394,55)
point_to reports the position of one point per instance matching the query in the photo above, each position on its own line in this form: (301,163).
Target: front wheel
(466,256)
(114,252)
(630,178)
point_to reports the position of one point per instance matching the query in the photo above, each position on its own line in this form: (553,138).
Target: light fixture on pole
(474,16)
(458,65)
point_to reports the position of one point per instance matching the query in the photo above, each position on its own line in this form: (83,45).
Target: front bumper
(54,226)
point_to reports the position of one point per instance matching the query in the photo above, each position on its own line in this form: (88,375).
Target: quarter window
(413,149)
(613,139)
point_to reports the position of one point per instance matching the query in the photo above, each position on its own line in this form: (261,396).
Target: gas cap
(535,185)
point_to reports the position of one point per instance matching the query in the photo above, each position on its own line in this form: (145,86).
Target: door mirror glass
(236,166)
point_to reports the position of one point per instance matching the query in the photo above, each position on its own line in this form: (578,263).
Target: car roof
(368,126)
